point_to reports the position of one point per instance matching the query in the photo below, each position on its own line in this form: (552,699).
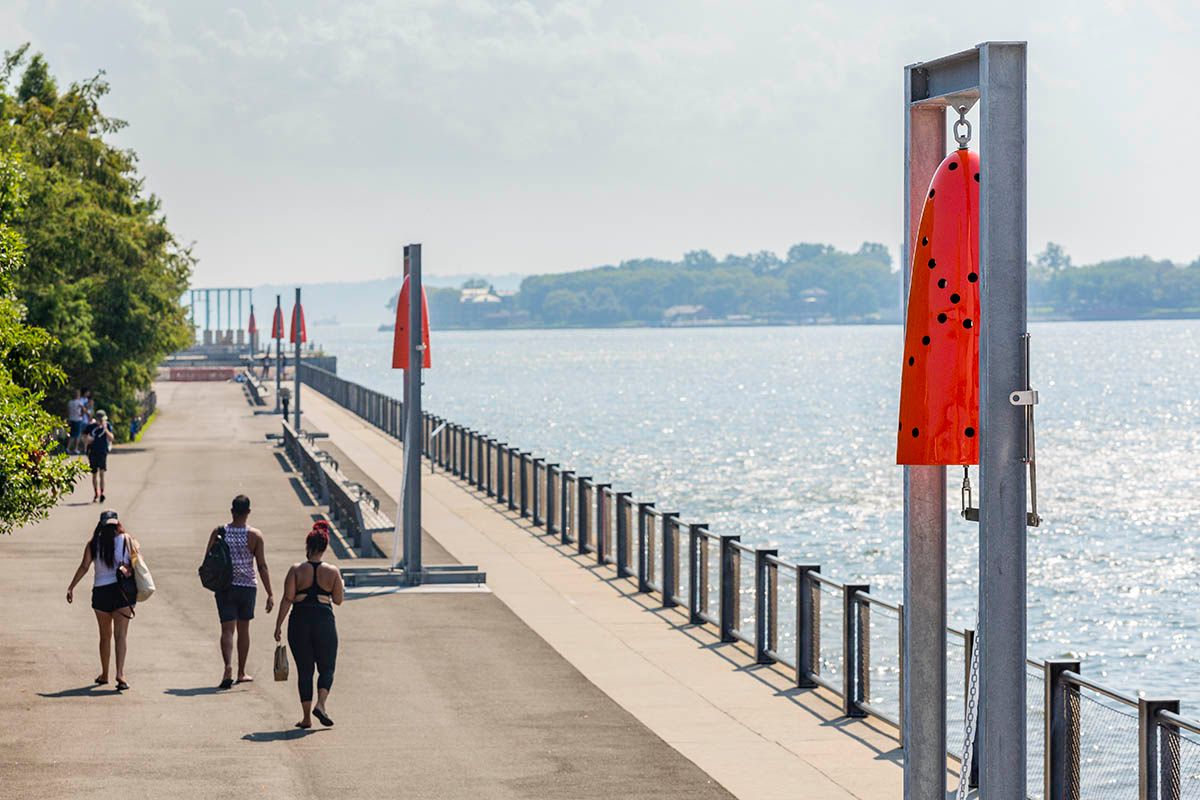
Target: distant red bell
(400,340)
(939,391)
(297,309)
(252,326)
(277,324)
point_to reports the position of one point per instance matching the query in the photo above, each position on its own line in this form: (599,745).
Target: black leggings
(312,635)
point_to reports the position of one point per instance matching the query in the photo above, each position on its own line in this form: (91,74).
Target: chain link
(964,775)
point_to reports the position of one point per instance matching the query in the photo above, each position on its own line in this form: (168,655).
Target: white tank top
(105,575)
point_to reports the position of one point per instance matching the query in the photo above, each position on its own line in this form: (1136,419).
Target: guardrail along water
(1085,739)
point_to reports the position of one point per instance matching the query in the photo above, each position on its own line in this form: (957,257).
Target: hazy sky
(295,139)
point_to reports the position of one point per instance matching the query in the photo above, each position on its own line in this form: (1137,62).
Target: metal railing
(1086,740)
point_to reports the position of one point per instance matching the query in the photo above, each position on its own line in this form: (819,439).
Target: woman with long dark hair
(311,590)
(114,590)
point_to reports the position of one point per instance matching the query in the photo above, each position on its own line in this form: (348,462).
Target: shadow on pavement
(196,691)
(280,736)
(91,690)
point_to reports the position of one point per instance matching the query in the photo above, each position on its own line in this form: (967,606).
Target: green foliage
(103,273)
(815,282)
(1116,289)
(31,478)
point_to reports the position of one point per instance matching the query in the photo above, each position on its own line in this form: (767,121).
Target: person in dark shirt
(99,437)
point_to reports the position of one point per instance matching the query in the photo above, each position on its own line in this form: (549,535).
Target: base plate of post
(463,577)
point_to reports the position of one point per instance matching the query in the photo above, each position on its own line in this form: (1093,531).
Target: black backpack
(216,571)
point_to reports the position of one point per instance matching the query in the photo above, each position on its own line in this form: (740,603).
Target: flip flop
(302,726)
(322,717)
(226,683)
(122,686)
(100,682)
(246,679)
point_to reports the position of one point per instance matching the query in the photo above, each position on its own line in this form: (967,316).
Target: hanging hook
(963,139)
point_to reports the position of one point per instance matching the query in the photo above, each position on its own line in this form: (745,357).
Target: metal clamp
(1026,397)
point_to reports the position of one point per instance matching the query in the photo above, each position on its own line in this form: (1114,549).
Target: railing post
(1150,779)
(551,471)
(523,482)
(668,535)
(643,556)
(808,626)
(760,603)
(564,531)
(1061,756)
(500,479)
(729,587)
(538,491)
(854,672)
(622,555)
(603,523)
(509,474)
(488,472)
(480,440)
(696,531)
(581,513)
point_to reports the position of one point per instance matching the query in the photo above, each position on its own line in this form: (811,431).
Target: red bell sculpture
(400,340)
(939,390)
(293,329)
(277,323)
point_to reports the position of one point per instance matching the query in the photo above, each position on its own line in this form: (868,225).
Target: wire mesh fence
(1035,727)
(1183,749)
(1108,747)
(829,657)
(884,663)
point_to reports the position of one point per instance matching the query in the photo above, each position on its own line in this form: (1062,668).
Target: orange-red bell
(939,391)
(252,326)
(303,331)
(277,324)
(400,340)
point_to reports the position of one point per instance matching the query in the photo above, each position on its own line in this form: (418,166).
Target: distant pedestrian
(235,603)
(77,418)
(114,589)
(311,590)
(266,368)
(99,436)
(285,397)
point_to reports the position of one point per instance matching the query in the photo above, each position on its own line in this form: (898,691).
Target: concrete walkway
(437,695)
(746,726)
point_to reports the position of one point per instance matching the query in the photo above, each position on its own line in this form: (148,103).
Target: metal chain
(964,775)
(963,139)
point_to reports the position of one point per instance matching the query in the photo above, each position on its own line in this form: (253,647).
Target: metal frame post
(622,555)
(854,668)
(729,589)
(564,521)
(923,689)
(551,471)
(808,629)
(581,515)
(538,491)
(760,603)
(413,565)
(643,556)
(1150,779)
(603,532)
(1062,730)
(668,534)
(696,531)
(296,333)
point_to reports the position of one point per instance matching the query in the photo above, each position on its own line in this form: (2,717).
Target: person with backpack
(114,589)
(99,436)
(232,553)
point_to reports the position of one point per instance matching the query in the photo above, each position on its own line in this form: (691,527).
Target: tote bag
(281,663)
(141,574)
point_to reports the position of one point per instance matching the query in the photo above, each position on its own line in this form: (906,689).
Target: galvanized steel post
(761,645)
(1062,730)
(729,588)
(854,668)
(808,629)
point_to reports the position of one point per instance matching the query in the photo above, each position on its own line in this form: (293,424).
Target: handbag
(281,663)
(143,578)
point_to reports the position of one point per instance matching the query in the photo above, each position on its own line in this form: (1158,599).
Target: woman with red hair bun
(311,590)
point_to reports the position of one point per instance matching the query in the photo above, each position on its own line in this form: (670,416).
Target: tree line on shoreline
(812,283)
(90,278)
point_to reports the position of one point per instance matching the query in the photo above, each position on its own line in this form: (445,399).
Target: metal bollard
(808,625)
(854,630)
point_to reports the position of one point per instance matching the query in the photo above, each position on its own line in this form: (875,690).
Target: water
(786,436)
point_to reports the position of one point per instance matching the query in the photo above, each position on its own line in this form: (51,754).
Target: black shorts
(109,598)
(236,602)
(97,461)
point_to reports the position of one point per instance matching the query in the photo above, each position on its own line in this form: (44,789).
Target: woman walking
(311,590)
(114,590)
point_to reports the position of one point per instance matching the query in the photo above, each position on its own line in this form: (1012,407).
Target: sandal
(122,686)
(322,717)
(100,681)
(227,683)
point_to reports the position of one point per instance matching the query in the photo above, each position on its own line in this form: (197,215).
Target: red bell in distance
(400,340)
(297,309)
(277,324)
(252,326)
(939,390)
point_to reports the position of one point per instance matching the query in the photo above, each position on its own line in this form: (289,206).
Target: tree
(31,477)
(104,274)
(562,306)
